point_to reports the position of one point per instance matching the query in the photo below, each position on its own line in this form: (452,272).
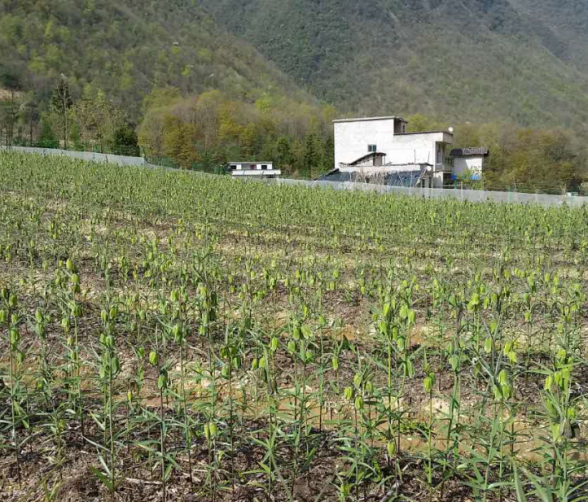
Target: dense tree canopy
(211,129)
(126,48)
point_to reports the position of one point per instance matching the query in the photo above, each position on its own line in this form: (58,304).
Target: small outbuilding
(469,162)
(253,169)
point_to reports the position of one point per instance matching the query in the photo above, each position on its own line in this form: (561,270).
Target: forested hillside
(473,60)
(478,60)
(126,48)
(103,74)
(563,24)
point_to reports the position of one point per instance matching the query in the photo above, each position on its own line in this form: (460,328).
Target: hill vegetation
(88,75)
(126,48)
(470,60)
(212,129)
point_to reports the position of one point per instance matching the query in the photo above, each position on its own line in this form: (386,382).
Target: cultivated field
(169,336)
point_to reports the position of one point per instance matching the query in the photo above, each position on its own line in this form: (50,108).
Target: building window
(233,167)
(372,148)
(253,167)
(264,167)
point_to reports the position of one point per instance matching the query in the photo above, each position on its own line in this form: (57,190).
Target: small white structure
(469,162)
(254,169)
(387,138)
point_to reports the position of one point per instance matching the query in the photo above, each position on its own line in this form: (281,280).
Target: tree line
(89,122)
(207,130)
(203,132)
(212,129)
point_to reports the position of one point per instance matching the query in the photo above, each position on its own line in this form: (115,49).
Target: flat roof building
(388,139)
(253,169)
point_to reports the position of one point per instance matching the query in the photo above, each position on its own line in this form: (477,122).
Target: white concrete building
(394,147)
(254,169)
(469,162)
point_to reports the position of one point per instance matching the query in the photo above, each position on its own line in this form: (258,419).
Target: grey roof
(367,156)
(366,119)
(251,162)
(470,151)
(423,132)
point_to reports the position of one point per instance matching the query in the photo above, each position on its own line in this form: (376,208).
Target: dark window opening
(372,148)
(253,167)
(233,167)
(264,167)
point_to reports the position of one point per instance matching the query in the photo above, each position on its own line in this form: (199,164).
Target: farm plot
(169,336)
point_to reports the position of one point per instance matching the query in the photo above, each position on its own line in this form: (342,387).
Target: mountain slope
(566,21)
(126,47)
(458,59)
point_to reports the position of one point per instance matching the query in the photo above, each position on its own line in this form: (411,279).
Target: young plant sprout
(175,336)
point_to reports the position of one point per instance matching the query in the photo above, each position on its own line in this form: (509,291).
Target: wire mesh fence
(441,193)
(429,193)
(89,156)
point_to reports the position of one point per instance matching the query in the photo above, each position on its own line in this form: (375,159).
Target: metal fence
(442,193)
(425,193)
(120,160)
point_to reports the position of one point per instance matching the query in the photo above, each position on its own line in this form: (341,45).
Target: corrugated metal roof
(367,156)
(250,162)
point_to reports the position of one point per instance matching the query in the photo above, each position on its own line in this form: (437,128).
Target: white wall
(412,148)
(255,173)
(352,138)
(473,164)
(479,196)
